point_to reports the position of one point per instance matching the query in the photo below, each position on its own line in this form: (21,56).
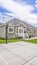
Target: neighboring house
(17,28)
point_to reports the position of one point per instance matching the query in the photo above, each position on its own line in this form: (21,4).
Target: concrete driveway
(18,53)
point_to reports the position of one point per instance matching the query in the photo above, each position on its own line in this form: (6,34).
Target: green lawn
(10,40)
(32,41)
(17,40)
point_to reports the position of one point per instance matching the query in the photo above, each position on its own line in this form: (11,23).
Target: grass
(17,40)
(32,41)
(10,40)
(2,41)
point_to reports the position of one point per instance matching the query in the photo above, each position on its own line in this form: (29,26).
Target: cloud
(21,11)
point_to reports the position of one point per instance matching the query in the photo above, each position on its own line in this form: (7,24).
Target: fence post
(6,33)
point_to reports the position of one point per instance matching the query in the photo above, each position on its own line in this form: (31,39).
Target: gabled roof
(15,22)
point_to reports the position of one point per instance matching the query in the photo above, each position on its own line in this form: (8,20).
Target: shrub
(2,38)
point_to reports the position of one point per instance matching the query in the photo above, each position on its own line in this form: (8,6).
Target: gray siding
(2,31)
(31,31)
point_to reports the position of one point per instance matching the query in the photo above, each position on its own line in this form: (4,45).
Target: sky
(25,10)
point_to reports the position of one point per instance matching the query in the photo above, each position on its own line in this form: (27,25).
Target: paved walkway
(18,53)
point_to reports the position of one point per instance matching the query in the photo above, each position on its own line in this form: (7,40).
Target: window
(20,29)
(10,29)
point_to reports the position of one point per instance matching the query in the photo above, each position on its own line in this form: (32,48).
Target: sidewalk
(18,53)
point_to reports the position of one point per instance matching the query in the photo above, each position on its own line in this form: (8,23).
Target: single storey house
(17,28)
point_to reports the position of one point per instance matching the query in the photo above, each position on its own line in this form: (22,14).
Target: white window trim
(18,30)
(12,31)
